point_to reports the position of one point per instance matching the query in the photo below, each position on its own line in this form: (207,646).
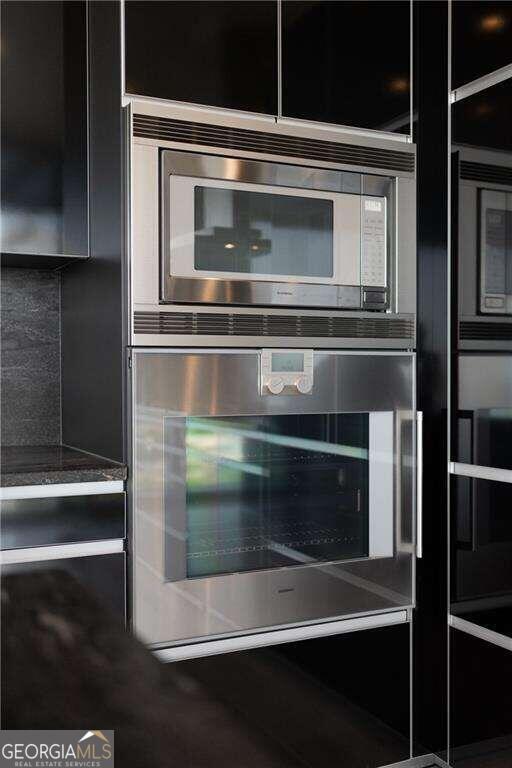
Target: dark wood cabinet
(44,132)
(347,63)
(481,38)
(222,54)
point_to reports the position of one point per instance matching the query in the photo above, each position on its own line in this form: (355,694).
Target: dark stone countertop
(49,464)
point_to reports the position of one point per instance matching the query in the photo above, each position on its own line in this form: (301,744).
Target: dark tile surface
(47,464)
(30,364)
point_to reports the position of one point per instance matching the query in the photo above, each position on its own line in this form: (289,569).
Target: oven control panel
(286,371)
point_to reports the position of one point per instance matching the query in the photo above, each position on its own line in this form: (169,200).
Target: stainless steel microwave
(235,216)
(238,231)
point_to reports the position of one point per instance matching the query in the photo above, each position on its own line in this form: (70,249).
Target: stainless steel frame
(278,636)
(61,551)
(218,290)
(226,382)
(143,218)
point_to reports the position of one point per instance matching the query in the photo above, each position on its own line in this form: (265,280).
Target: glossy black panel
(347,62)
(482,413)
(483,120)
(481,38)
(44,128)
(93,366)
(222,54)
(41,522)
(431,66)
(481,220)
(325,702)
(481,557)
(481,703)
(103,575)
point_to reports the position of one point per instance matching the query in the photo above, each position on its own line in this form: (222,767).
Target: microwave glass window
(266,492)
(247,232)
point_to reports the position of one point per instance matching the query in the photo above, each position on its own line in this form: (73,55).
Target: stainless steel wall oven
(272,488)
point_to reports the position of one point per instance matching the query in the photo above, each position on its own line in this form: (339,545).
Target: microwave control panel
(374,252)
(286,371)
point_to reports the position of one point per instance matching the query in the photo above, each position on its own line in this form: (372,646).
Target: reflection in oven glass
(267,492)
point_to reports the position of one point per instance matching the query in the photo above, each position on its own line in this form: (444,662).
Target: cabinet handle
(419,484)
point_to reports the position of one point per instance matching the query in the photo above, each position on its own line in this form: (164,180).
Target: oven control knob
(275,386)
(303,385)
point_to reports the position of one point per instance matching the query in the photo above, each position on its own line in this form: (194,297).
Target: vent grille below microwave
(227,324)
(474,331)
(492,174)
(270,143)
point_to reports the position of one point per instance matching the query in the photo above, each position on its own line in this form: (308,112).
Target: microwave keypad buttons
(373,241)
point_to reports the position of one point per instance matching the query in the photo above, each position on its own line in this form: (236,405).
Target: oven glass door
(257,510)
(259,492)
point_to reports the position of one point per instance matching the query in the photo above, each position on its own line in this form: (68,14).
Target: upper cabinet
(222,54)
(327,61)
(44,132)
(481,39)
(347,63)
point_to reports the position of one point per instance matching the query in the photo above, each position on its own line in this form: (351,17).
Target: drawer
(104,576)
(62,520)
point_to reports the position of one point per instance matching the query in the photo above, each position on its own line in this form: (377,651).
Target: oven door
(242,232)
(255,510)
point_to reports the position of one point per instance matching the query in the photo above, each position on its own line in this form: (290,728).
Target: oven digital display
(287,362)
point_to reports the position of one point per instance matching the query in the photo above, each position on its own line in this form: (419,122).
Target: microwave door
(245,232)
(266,501)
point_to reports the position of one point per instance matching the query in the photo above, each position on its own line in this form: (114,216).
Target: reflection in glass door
(258,492)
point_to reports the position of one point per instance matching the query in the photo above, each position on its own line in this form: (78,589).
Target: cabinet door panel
(481,38)
(62,520)
(103,575)
(44,131)
(347,63)
(222,54)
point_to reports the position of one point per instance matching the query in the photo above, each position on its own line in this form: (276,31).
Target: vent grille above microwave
(227,324)
(270,143)
(485,331)
(492,174)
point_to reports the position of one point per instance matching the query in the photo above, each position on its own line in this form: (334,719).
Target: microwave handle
(419,484)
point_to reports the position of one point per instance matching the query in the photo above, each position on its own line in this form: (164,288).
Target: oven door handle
(419,484)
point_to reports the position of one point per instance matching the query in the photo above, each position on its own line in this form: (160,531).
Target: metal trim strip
(61,551)
(276,637)
(482,633)
(481,83)
(61,489)
(481,473)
